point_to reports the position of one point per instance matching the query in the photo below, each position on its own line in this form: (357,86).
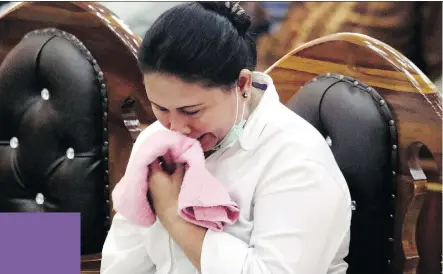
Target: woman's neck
(256,96)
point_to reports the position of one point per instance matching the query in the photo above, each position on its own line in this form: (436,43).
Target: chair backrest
(66,90)
(382,117)
(51,131)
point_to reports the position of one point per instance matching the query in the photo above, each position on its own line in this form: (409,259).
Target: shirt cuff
(222,253)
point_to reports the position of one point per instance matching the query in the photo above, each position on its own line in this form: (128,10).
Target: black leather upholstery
(362,134)
(53,139)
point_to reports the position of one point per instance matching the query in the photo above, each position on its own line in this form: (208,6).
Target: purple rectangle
(47,243)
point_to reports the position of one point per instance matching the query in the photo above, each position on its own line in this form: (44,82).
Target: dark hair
(205,42)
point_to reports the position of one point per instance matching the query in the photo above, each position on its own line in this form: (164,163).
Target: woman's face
(205,114)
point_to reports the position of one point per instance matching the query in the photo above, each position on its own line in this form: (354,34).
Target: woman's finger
(179,173)
(155,166)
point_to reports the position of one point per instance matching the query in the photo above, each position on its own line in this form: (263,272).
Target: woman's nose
(180,126)
(185,130)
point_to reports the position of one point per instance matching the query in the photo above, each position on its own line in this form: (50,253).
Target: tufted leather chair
(53,132)
(359,127)
(382,119)
(72,100)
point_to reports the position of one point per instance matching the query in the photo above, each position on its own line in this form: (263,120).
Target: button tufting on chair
(13,142)
(45,94)
(359,121)
(353,205)
(329,141)
(70,153)
(40,199)
(49,64)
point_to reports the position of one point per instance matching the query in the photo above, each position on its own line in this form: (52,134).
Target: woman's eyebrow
(180,108)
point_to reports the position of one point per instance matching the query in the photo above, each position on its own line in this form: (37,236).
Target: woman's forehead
(170,90)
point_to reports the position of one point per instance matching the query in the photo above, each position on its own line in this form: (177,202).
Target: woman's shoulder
(289,129)
(293,145)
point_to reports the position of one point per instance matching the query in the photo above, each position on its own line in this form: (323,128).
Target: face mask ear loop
(236,105)
(235,120)
(243,111)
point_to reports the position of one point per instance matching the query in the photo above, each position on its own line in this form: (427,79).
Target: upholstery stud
(390,240)
(341,77)
(355,83)
(328,74)
(394,147)
(393,173)
(45,94)
(39,199)
(391,122)
(13,142)
(391,216)
(353,205)
(382,102)
(329,141)
(393,196)
(70,153)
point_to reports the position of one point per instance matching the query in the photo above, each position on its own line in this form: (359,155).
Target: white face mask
(236,129)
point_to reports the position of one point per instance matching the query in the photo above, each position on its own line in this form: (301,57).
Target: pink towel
(203,200)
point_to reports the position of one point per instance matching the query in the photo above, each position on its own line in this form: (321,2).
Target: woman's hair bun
(231,10)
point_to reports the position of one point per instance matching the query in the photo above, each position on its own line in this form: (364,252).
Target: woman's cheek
(202,124)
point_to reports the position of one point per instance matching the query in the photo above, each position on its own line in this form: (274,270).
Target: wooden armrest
(424,172)
(91,263)
(409,228)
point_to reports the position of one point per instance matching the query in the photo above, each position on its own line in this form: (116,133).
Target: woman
(295,208)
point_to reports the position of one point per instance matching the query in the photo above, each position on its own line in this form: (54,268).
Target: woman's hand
(164,190)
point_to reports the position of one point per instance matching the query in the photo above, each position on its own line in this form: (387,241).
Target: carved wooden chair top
(415,108)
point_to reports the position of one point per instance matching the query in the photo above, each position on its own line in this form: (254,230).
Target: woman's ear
(245,81)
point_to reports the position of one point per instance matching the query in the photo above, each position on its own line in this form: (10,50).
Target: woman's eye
(162,109)
(190,113)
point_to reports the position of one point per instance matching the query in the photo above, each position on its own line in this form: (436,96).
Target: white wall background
(139,16)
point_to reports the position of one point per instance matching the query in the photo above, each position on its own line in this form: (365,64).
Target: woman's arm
(187,235)
(123,251)
(301,219)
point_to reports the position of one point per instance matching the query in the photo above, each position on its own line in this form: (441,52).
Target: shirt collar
(258,119)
